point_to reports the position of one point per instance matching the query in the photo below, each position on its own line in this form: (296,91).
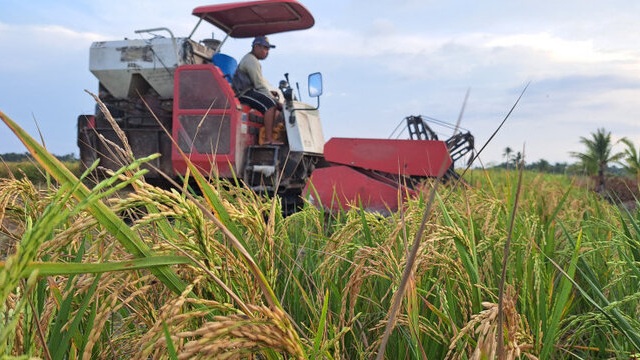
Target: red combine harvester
(172,96)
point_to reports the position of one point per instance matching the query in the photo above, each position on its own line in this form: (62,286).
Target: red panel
(404,157)
(253,18)
(205,96)
(338,187)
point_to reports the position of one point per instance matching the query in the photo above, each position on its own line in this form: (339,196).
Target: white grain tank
(119,64)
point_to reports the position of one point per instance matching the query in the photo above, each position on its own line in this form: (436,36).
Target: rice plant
(124,269)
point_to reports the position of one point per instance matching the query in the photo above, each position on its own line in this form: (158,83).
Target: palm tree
(597,156)
(631,161)
(517,159)
(507,154)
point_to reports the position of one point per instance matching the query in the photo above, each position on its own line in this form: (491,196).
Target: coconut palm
(631,161)
(507,154)
(517,159)
(597,156)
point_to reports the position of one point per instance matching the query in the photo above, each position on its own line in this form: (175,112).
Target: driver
(253,90)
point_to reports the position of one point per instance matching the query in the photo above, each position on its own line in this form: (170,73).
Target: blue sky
(381,61)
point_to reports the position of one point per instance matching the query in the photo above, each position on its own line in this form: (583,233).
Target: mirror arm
(292,118)
(312,109)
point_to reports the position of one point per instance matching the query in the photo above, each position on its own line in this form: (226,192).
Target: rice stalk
(222,220)
(98,209)
(17,264)
(236,336)
(480,335)
(505,261)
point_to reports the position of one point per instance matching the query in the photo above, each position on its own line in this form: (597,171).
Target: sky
(381,61)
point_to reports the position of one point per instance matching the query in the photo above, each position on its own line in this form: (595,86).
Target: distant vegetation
(23,166)
(613,174)
(26,157)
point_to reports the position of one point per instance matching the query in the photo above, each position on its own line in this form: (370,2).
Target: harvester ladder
(262,168)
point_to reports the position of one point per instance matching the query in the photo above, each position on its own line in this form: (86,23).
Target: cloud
(35,44)
(382,61)
(569,77)
(575,85)
(561,50)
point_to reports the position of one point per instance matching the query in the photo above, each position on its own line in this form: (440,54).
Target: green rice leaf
(51,268)
(317,340)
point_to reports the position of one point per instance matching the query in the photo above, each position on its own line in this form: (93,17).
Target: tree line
(20,157)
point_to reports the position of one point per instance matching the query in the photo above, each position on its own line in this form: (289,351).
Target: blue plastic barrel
(226,63)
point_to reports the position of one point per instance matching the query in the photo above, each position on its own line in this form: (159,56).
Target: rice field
(512,266)
(31,170)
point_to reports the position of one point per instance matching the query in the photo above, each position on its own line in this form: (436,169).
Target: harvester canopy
(253,18)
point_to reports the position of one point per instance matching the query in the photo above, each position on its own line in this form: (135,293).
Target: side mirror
(315,84)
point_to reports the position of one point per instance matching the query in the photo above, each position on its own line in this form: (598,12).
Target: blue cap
(262,40)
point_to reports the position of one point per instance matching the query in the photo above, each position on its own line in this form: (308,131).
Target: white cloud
(558,49)
(517,56)
(577,85)
(65,34)
(35,44)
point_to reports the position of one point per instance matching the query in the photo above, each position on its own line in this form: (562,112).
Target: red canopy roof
(253,18)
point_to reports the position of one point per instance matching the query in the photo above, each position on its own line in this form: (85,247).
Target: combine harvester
(193,110)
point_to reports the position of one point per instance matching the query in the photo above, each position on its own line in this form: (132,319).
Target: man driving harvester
(253,90)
